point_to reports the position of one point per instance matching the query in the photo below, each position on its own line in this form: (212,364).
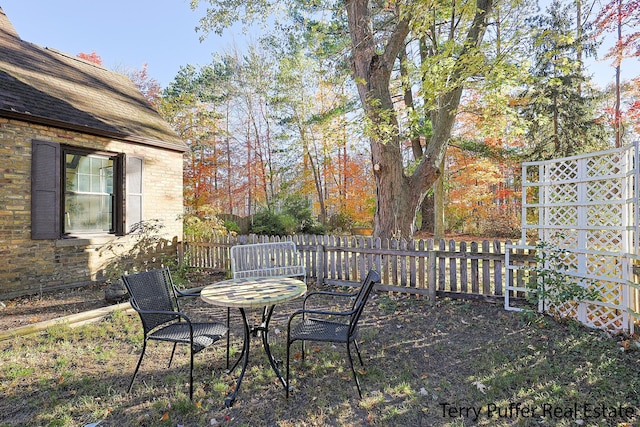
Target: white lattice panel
(606,164)
(588,206)
(603,266)
(604,216)
(602,240)
(560,193)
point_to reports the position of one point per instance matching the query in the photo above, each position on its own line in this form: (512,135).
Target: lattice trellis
(587,205)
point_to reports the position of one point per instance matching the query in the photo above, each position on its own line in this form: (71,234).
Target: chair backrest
(266,260)
(152,290)
(361,298)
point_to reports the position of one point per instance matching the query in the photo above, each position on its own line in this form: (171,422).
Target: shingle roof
(51,87)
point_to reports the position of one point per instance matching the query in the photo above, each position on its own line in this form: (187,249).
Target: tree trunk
(399,196)
(617,113)
(428,214)
(438,204)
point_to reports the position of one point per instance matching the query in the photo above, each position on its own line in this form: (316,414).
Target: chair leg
(353,371)
(228,334)
(358,351)
(144,347)
(172,353)
(287,373)
(191,373)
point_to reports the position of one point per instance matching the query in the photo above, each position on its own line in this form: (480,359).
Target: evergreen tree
(560,104)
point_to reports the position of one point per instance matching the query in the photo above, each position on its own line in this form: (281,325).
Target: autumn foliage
(91,57)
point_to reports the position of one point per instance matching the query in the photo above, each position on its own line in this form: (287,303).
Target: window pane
(84,183)
(89,194)
(85,212)
(83,164)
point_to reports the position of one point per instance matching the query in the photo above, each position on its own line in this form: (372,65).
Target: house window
(75,191)
(89,193)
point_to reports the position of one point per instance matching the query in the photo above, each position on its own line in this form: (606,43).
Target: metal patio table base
(263,331)
(257,292)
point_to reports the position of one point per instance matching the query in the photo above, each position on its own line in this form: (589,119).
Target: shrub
(269,223)
(549,279)
(296,217)
(203,226)
(501,224)
(231,227)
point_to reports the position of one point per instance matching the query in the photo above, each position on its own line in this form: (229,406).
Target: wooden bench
(267,260)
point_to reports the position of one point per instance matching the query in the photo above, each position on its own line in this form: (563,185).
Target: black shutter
(45,190)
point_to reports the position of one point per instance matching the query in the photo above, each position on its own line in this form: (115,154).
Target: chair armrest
(192,292)
(330,294)
(319,313)
(168,313)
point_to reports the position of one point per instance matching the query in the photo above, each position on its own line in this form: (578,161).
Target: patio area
(454,363)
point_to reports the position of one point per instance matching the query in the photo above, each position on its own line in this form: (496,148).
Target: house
(83,157)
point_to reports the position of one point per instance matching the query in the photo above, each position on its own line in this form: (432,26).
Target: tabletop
(253,292)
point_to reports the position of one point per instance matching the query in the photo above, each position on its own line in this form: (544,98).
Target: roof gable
(48,86)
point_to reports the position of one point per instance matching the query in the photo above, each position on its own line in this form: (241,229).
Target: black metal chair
(327,329)
(155,298)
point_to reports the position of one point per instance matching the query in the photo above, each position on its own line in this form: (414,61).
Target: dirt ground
(419,357)
(31,309)
(37,308)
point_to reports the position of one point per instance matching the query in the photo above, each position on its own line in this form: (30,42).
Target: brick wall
(31,266)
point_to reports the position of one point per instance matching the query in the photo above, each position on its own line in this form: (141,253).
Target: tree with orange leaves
(91,57)
(148,86)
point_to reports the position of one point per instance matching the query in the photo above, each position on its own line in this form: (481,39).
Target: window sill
(84,240)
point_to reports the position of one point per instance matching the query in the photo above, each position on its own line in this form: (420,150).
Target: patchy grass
(451,364)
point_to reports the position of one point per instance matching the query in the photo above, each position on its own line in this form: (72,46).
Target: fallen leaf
(165,417)
(481,387)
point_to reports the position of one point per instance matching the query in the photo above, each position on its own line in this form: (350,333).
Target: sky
(125,34)
(159,33)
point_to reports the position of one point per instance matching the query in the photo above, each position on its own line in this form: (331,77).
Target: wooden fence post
(180,249)
(432,272)
(320,255)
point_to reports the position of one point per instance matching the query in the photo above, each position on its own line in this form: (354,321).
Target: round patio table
(257,292)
